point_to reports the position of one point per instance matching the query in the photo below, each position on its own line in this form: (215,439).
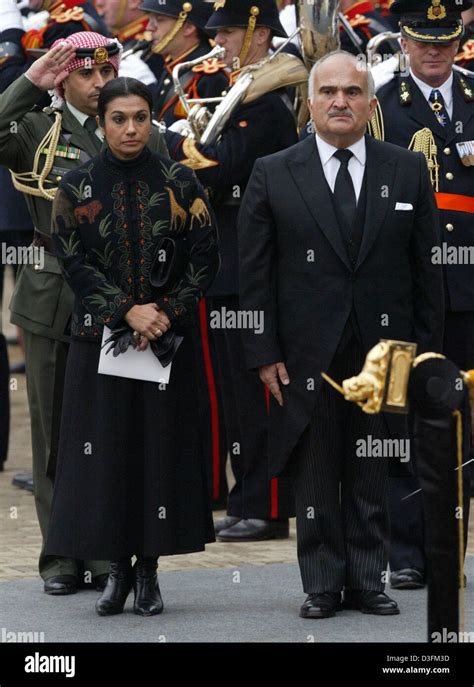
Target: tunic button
(167,82)
(447,151)
(58,178)
(449,176)
(37,267)
(224,93)
(450,227)
(162,92)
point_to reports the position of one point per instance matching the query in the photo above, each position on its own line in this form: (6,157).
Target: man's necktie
(344,194)
(439,107)
(90,125)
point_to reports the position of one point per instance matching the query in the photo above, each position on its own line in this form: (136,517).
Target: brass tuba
(319,28)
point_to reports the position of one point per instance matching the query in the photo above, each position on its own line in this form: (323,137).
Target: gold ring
(158,332)
(137,337)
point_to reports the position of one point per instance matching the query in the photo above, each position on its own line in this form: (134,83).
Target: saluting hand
(50,68)
(271,375)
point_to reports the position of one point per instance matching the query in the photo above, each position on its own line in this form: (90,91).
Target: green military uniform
(42,301)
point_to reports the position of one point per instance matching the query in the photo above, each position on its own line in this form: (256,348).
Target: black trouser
(211,411)
(341,497)
(245,401)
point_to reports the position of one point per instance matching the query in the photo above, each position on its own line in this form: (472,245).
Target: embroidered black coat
(141,488)
(108,218)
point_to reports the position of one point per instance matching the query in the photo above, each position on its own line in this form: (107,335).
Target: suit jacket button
(450,227)
(37,267)
(449,176)
(447,151)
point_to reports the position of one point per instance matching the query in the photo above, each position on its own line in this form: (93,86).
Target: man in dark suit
(335,241)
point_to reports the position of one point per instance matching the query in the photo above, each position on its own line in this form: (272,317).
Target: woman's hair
(119,88)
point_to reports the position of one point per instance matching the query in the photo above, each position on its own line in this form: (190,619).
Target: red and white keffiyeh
(92,41)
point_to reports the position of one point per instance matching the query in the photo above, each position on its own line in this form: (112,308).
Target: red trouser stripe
(211,385)
(274,481)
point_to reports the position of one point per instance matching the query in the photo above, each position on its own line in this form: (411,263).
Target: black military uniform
(258,507)
(366,23)
(206,80)
(135,38)
(412,120)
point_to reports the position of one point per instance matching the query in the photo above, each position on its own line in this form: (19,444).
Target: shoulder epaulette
(359,20)
(210,66)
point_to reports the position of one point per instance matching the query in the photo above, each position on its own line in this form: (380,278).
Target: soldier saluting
(43,145)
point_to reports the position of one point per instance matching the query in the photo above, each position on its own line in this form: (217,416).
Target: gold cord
(458,416)
(50,141)
(423,142)
(166,40)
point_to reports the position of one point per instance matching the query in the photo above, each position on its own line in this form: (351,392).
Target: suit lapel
(308,174)
(380,184)
(79,137)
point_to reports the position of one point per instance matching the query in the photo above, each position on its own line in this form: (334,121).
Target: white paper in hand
(132,364)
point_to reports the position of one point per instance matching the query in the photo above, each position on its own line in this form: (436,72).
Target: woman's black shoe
(119,584)
(148,599)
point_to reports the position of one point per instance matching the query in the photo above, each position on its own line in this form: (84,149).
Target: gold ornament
(436,11)
(101,55)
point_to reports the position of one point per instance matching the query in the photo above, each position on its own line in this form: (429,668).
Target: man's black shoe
(376,603)
(322,605)
(407,578)
(254,529)
(60,585)
(225,523)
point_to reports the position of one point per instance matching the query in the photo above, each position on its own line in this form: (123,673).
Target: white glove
(136,68)
(178,126)
(35,20)
(10,15)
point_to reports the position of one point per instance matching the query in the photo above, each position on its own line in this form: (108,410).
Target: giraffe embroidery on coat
(199,212)
(178,214)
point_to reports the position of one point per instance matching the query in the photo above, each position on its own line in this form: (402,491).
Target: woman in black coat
(137,242)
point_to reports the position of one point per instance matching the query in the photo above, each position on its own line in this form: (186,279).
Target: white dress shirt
(81,118)
(331,164)
(446,90)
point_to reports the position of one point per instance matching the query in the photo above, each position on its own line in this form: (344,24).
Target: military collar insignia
(405,93)
(436,11)
(466,90)
(219,4)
